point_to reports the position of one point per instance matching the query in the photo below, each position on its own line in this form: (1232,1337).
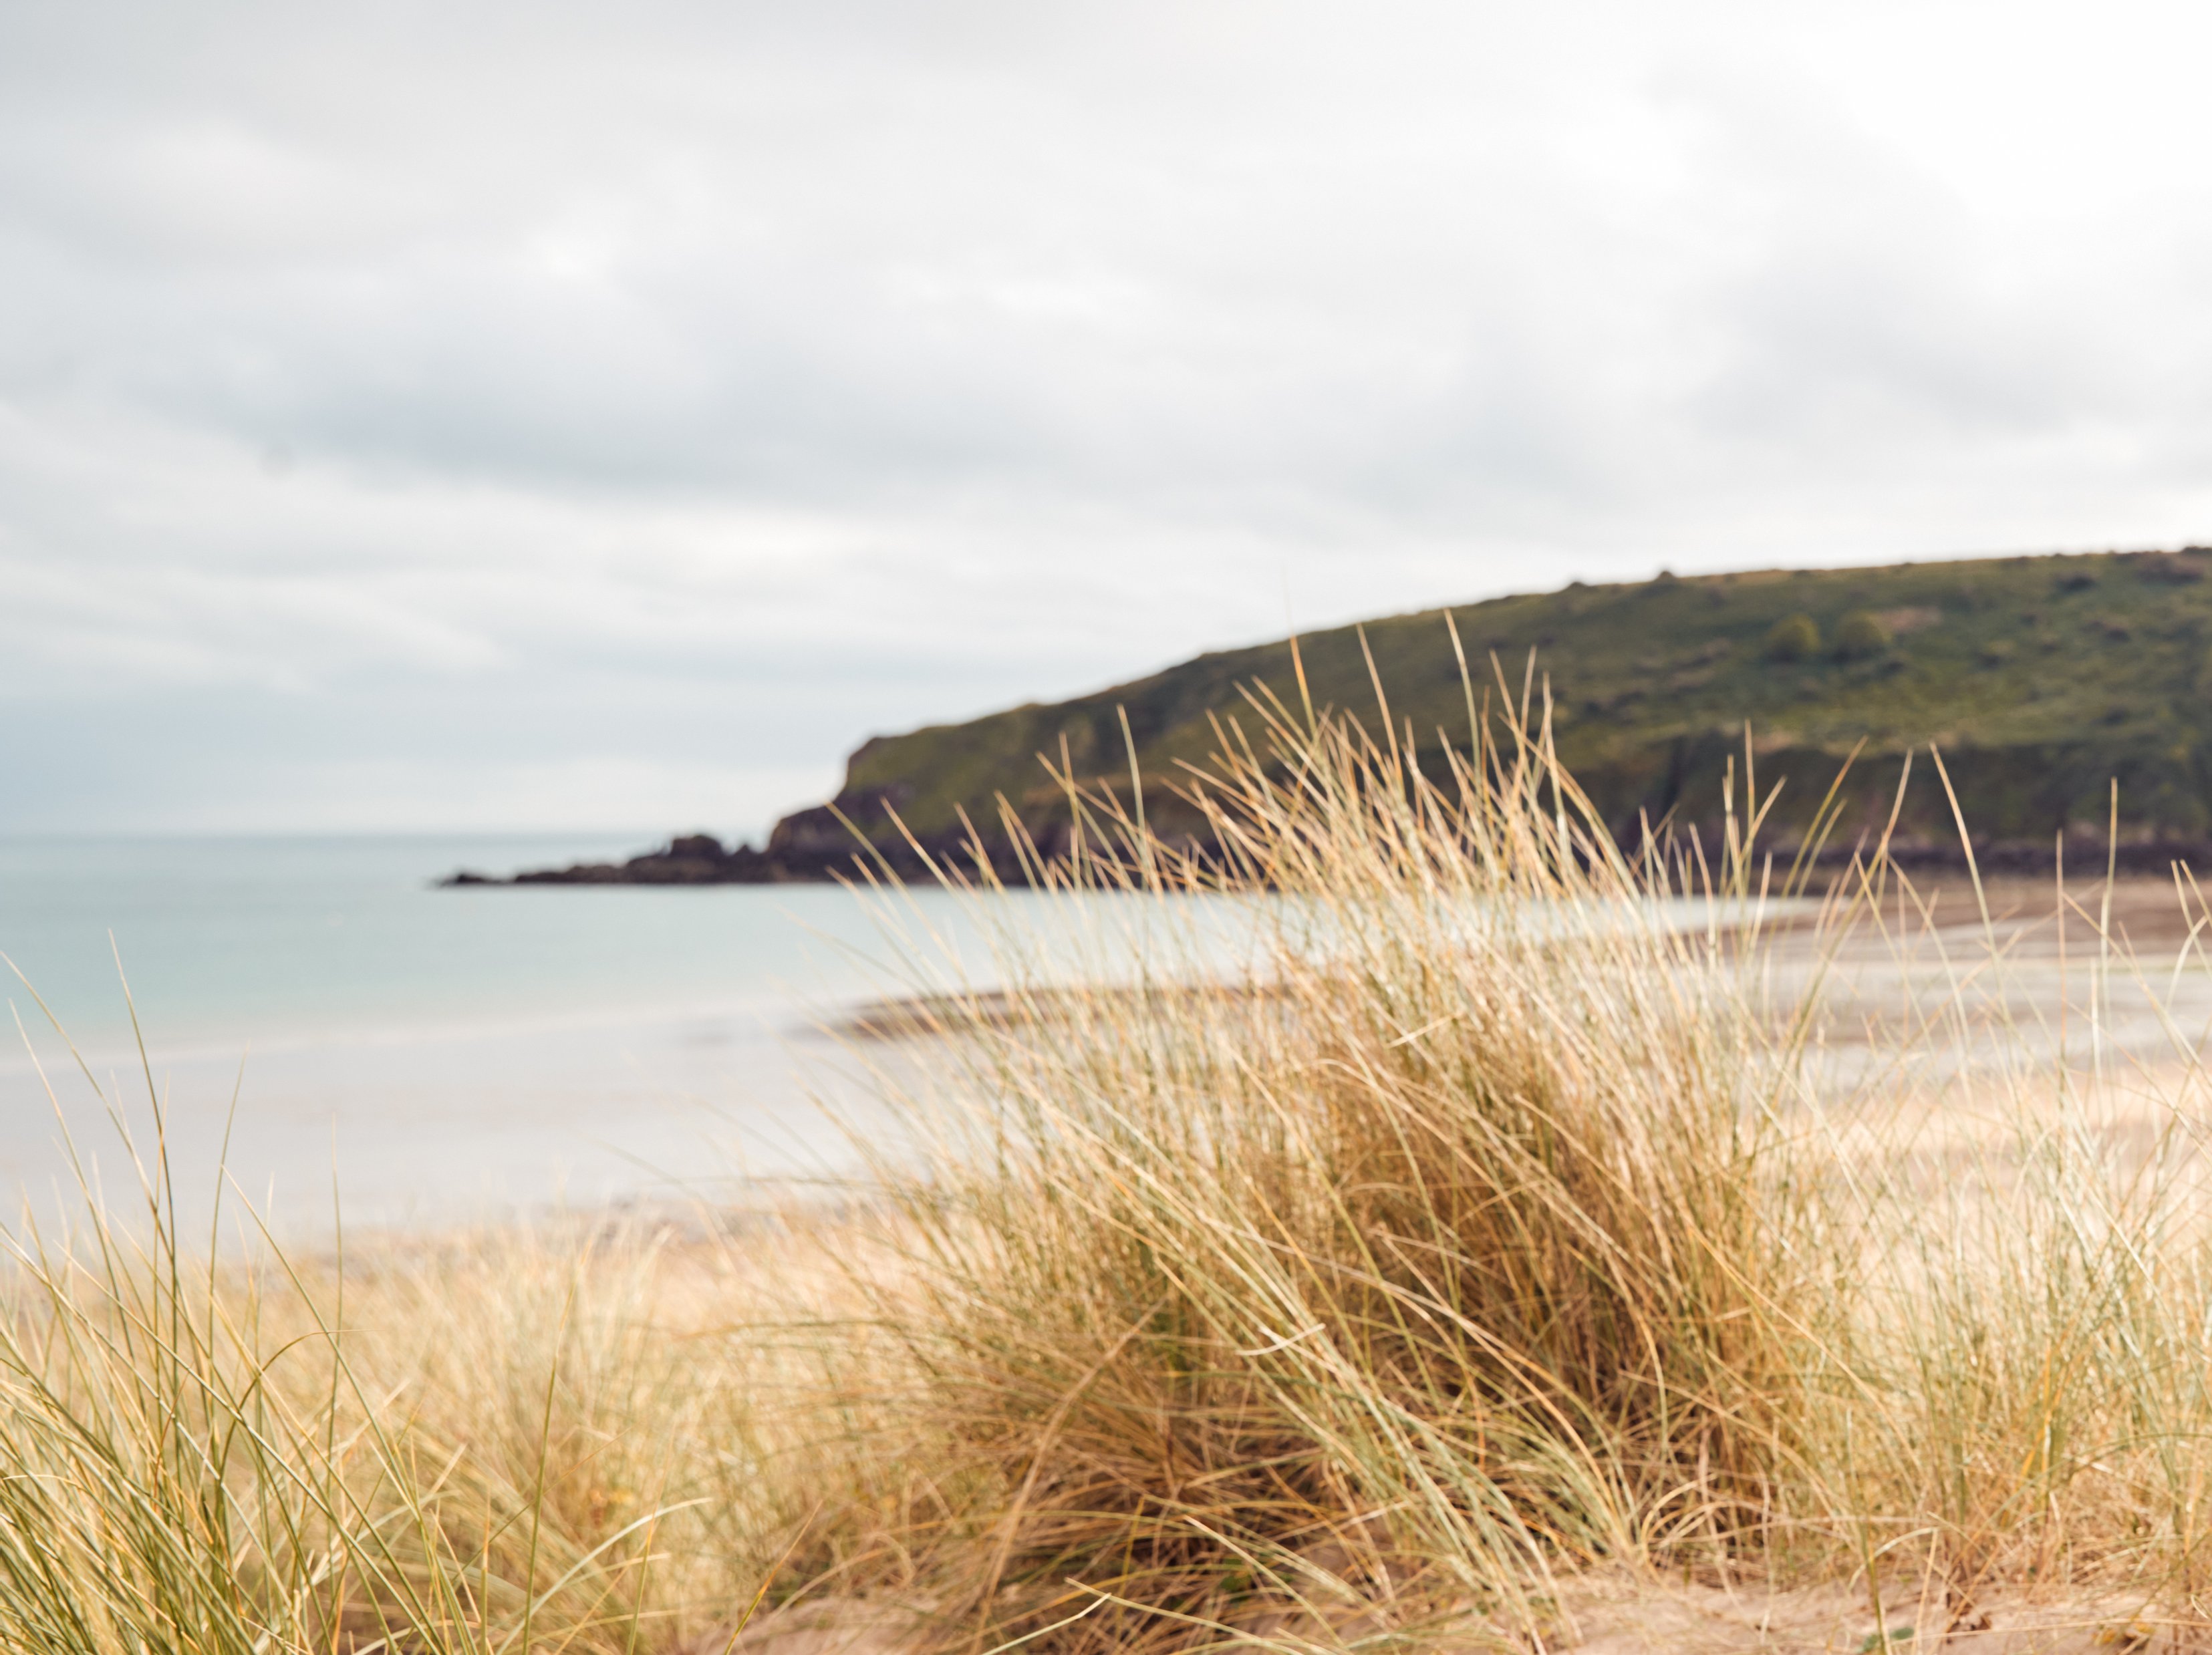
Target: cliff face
(2042,680)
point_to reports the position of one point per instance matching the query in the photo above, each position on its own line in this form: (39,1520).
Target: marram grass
(1355,1238)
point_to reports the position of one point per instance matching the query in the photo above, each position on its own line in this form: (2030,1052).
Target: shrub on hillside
(1792,639)
(1860,636)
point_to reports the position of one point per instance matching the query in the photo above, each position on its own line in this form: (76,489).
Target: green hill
(2040,679)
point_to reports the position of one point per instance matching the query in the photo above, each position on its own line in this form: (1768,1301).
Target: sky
(577,416)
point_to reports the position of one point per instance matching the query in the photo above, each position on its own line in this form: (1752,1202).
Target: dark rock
(687,859)
(805,836)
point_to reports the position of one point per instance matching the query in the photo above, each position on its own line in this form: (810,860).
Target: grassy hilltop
(2040,680)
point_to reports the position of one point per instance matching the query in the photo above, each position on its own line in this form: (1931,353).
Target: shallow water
(406,1054)
(427,1054)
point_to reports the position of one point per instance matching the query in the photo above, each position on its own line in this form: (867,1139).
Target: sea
(314,1033)
(317,1032)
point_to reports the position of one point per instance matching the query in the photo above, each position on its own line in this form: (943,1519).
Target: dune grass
(1352,1240)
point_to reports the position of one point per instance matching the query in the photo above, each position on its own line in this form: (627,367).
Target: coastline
(812,857)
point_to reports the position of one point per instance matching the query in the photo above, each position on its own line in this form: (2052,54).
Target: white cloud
(403,410)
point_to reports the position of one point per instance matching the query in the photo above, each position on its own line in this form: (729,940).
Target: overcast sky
(550,415)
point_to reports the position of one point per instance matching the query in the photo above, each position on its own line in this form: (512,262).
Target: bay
(335,1034)
(402,1053)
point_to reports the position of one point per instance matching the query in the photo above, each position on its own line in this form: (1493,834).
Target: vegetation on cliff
(2041,680)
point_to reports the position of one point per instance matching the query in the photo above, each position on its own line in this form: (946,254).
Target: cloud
(402,411)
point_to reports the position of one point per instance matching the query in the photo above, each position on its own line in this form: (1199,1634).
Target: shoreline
(703,860)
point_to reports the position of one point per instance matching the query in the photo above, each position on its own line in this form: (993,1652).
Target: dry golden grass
(1425,1228)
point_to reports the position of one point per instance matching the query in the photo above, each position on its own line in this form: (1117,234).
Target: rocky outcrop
(812,845)
(689,859)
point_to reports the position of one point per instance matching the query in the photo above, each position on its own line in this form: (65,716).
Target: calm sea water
(427,1054)
(401,1053)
